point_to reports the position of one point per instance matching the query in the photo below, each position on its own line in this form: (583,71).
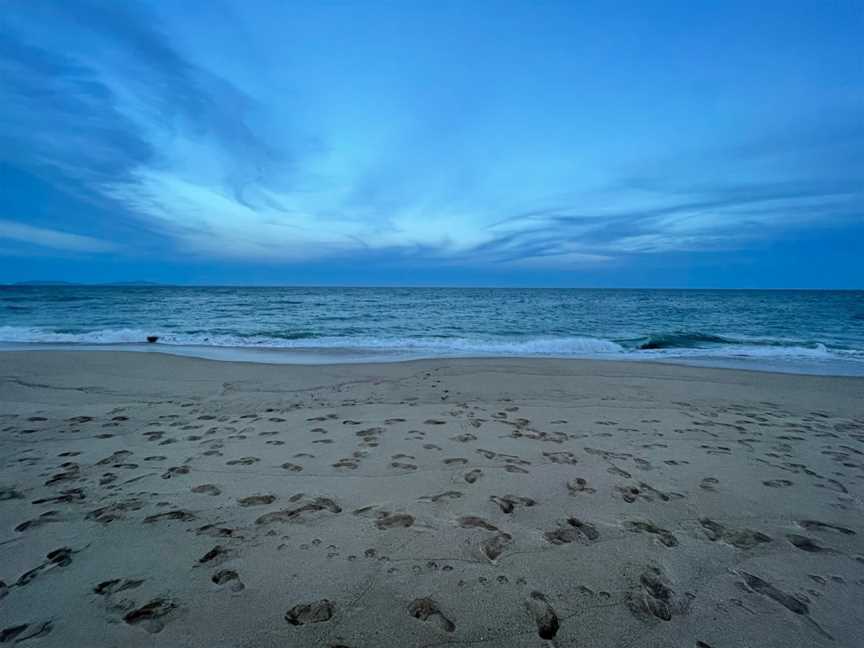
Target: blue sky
(449,143)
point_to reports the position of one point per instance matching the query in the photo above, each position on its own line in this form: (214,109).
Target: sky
(595,144)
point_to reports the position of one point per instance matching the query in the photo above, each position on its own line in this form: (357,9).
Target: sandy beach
(147,499)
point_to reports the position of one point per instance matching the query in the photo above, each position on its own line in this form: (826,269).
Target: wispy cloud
(105,99)
(50,238)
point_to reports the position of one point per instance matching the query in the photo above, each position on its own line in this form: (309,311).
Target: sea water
(800,331)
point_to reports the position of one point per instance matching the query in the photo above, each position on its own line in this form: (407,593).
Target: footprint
(474,522)
(349,463)
(777,483)
(473,475)
(509,502)
(563,457)
(807,544)
(579,486)
(576,531)
(292,467)
(544,615)
(115,585)
(765,588)
(426,609)
(394,520)
(183,516)
(440,496)
(149,616)
(644,492)
(814,525)
(494,546)
(23,632)
(290,515)
(206,489)
(465,437)
(665,536)
(740,538)
(709,483)
(315,612)
(228,577)
(657,597)
(455,461)
(245,461)
(256,500)
(216,555)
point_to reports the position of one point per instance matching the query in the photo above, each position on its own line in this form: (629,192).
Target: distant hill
(70,283)
(131,283)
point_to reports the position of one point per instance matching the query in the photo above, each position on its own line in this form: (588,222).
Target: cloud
(52,238)
(106,100)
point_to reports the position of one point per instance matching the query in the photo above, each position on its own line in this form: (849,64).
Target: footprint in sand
(561,457)
(393,520)
(256,500)
(245,461)
(440,496)
(507,503)
(575,531)
(474,522)
(319,504)
(579,486)
(657,598)
(464,438)
(473,475)
(740,538)
(428,610)
(348,463)
(24,631)
(815,525)
(217,555)
(544,615)
(292,467)
(305,613)
(665,536)
(494,546)
(791,603)
(150,615)
(181,515)
(777,483)
(228,577)
(116,585)
(709,484)
(807,544)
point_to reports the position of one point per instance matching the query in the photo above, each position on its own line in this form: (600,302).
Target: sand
(151,500)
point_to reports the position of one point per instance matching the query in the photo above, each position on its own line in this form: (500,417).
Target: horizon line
(153,284)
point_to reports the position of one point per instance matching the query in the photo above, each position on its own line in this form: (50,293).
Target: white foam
(536,346)
(415,347)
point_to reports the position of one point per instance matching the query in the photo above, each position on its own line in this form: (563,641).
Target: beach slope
(147,499)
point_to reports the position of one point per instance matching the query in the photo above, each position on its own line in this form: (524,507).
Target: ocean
(796,331)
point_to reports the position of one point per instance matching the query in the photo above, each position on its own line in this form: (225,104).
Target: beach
(149,499)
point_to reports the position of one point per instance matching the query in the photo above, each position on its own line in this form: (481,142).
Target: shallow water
(802,331)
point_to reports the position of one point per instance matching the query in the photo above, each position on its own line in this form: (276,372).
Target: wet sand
(147,499)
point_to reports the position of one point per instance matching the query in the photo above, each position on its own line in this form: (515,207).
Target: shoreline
(313,356)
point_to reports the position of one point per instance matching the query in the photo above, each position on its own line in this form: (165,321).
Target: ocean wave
(679,345)
(680,340)
(307,340)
